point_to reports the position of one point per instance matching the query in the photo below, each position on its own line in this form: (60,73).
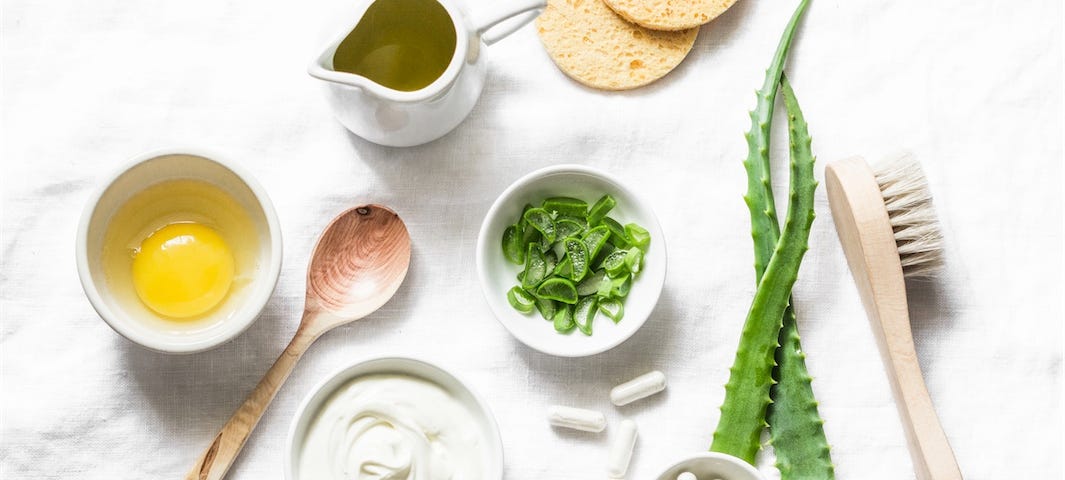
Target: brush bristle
(913,218)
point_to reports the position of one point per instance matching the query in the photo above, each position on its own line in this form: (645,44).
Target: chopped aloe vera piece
(547,308)
(526,208)
(521,276)
(613,308)
(634,260)
(606,286)
(567,206)
(582,221)
(564,227)
(559,249)
(604,252)
(578,256)
(619,287)
(513,248)
(521,300)
(564,268)
(550,261)
(602,207)
(541,220)
(584,314)
(618,236)
(563,319)
(545,245)
(615,263)
(560,289)
(529,235)
(535,267)
(595,238)
(590,284)
(638,235)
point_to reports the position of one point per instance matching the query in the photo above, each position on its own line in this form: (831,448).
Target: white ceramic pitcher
(401,119)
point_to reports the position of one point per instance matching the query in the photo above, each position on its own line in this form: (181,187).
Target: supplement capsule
(576,418)
(640,387)
(621,450)
(687,476)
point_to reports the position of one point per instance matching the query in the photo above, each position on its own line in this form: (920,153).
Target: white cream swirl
(392,427)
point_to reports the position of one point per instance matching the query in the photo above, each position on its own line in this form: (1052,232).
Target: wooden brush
(889,231)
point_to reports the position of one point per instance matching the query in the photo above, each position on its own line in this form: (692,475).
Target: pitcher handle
(521,11)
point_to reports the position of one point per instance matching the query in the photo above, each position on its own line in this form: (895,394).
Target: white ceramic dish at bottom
(497,275)
(713,466)
(321,393)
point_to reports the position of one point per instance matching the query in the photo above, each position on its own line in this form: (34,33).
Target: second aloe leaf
(795,426)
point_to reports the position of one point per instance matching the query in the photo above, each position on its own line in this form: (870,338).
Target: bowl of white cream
(393,418)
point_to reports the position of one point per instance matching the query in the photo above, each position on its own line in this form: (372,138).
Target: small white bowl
(497,275)
(713,466)
(150,169)
(320,393)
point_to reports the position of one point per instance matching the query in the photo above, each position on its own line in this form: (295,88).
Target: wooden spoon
(357,265)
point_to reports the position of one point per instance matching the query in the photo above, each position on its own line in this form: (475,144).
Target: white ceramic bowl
(497,275)
(147,170)
(493,458)
(713,466)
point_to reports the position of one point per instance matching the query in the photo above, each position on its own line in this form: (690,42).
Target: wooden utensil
(888,229)
(358,264)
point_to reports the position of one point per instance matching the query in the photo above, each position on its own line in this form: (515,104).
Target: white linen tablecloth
(974,89)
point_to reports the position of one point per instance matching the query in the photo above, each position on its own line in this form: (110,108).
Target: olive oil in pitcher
(400,44)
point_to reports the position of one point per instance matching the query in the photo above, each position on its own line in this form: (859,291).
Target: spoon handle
(216,460)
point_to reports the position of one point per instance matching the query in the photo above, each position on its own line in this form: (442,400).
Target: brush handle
(868,240)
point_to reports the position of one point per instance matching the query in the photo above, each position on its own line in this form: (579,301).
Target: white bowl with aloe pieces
(571,261)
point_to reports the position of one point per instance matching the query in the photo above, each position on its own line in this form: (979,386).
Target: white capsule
(576,418)
(687,476)
(640,387)
(621,450)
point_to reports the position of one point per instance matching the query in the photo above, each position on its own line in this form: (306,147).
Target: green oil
(400,44)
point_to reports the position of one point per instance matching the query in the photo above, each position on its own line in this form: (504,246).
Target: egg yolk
(183,270)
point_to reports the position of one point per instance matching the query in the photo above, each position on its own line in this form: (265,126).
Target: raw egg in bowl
(179,251)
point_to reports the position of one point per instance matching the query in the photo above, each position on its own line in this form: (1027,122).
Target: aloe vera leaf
(747,391)
(759,199)
(795,427)
(759,196)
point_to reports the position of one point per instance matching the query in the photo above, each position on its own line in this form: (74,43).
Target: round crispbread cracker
(669,15)
(594,46)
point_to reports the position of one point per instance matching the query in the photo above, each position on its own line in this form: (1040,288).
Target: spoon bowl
(359,262)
